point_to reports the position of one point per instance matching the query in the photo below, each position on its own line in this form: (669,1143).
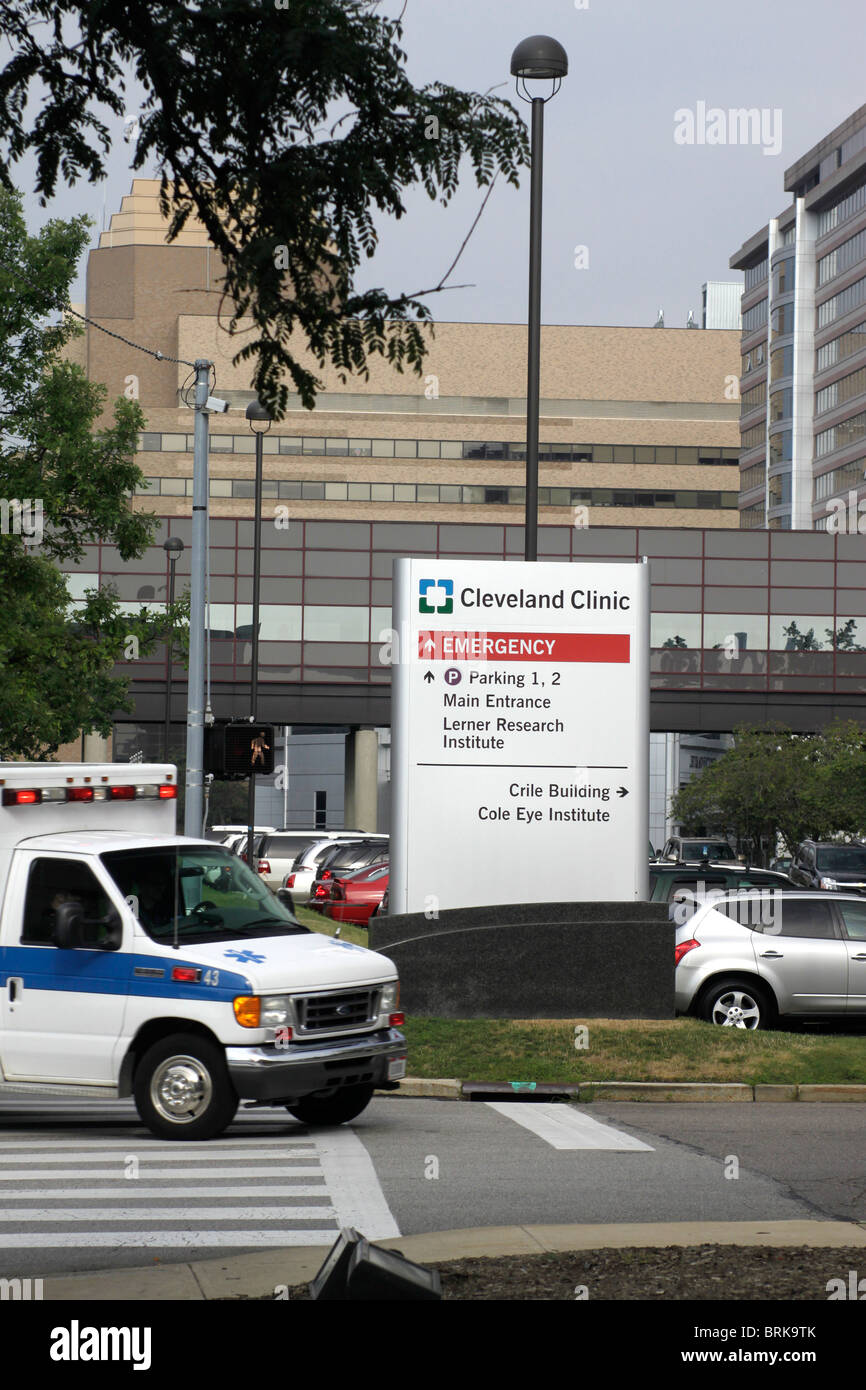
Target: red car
(353,899)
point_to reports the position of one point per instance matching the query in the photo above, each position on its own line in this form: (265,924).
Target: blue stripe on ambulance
(112,972)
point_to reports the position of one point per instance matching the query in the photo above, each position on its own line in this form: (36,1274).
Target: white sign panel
(520,728)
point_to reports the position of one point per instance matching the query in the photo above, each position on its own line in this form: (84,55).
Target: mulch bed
(705,1272)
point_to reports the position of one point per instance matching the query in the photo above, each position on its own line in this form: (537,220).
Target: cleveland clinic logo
(446,595)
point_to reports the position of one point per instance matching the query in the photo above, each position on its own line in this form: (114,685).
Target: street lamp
(256,414)
(537,58)
(172,547)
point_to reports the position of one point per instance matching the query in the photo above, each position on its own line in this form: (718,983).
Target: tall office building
(803,374)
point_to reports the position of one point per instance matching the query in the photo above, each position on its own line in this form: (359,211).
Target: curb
(694,1091)
(264,1275)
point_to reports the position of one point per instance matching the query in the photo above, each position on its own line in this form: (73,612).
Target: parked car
(807,962)
(343,860)
(828,866)
(686,886)
(278,851)
(299,880)
(354,899)
(691,849)
(783,865)
(237,843)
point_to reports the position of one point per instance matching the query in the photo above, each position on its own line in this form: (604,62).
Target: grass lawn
(681,1049)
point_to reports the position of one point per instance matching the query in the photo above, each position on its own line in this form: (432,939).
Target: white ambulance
(134,961)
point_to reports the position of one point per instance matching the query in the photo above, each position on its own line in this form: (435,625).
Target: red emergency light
(18,797)
(187,974)
(35,796)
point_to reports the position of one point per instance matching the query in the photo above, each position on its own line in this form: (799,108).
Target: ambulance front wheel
(183,1090)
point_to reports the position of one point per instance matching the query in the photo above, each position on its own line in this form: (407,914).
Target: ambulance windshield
(198,893)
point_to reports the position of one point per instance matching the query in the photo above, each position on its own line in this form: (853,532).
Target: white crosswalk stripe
(110,1184)
(563,1127)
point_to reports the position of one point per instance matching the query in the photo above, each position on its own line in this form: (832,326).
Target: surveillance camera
(215,404)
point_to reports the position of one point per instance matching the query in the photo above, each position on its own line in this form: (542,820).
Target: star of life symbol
(246,957)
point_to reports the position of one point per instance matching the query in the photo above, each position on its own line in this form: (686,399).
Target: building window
(781,405)
(842,303)
(839,348)
(755,274)
(841,435)
(841,391)
(756,316)
(753,476)
(783,320)
(783,277)
(842,258)
(753,436)
(782,362)
(752,518)
(841,211)
(755,397)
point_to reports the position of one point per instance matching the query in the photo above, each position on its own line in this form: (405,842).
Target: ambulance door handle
(16,987)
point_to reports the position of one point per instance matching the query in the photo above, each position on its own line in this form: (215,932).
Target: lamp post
(256,414)
(172,547)
(538,57)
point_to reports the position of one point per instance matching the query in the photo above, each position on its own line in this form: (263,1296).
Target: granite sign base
(533,960)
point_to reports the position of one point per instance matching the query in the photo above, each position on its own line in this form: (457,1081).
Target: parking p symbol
(453,676)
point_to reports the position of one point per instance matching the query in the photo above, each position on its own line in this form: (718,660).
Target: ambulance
(137,962)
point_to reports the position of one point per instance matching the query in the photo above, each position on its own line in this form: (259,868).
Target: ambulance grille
(348,1009)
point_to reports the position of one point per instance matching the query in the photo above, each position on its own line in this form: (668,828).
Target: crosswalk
(563,1127)
(86,1174)
(267,1182)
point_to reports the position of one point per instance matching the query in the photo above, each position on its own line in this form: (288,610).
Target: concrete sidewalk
(264,1274)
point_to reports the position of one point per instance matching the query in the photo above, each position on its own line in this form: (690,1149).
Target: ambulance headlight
(276,1011)
(390,997)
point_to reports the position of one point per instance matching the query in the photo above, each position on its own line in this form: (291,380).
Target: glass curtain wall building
(803,350)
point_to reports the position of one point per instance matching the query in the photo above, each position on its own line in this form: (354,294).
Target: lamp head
(539,56)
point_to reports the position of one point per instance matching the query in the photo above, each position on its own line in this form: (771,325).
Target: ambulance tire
(183,1090)
(338,1109)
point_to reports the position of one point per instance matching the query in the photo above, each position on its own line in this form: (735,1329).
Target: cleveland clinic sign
(520,733)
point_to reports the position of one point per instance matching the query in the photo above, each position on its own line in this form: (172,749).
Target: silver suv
(753,958)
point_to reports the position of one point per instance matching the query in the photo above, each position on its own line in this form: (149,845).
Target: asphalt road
(84,1186)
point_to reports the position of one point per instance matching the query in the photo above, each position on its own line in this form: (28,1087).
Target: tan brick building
(638,425)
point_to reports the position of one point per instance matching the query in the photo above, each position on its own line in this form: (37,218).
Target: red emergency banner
(524,646)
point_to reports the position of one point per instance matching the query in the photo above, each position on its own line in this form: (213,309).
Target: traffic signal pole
(254,655)
(192,820)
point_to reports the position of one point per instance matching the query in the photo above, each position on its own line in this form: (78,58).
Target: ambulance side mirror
(68,918)
(72,929)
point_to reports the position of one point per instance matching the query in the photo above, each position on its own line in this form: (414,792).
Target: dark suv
(687,886)
(822,864)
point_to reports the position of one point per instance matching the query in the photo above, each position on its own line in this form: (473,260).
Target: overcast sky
(657,217)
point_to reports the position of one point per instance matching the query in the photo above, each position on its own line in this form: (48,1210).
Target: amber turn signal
(248,1009)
